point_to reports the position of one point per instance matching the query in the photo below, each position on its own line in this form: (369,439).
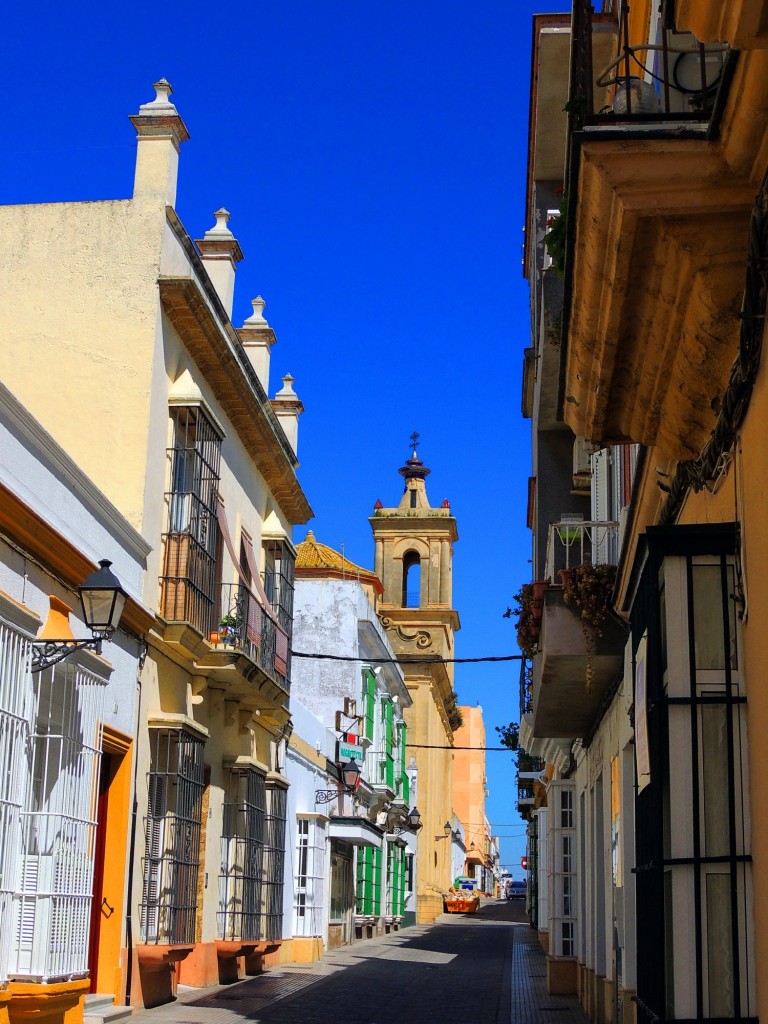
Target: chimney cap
(159,118)
(218,242)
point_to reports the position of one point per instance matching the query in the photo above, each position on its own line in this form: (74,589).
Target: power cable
(406,659)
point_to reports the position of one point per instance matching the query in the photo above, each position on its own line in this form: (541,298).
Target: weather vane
(414,440)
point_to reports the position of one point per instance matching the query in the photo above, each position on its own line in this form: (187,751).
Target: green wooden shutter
(389,743)
(369,702)
(405,787)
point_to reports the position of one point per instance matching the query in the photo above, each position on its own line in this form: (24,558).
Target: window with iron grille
(172,838)
(278,581)
(242,855)
(191,542)
(310,873)
(15,698)
(274,861)
(694,870)
(58,825)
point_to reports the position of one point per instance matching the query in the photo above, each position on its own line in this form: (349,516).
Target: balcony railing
(246,628)
(573,542)
(669,76)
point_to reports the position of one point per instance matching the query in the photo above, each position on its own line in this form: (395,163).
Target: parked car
(516,889)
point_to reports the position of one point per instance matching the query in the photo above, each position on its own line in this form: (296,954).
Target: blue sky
(372,157)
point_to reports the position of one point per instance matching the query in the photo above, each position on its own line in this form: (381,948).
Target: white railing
(573,542)
(58,822)
(15,700)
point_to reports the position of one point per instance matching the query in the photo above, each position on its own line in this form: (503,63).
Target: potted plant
(229,629)
(589,587)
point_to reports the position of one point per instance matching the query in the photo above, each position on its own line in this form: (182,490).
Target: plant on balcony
(509,735)
(589,587)
(528,623)
(554,239)
(229,628)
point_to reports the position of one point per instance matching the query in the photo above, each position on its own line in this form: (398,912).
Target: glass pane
(719,946)
(708,601)
(714,779)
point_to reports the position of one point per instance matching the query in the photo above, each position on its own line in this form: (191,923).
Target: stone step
(100,1009)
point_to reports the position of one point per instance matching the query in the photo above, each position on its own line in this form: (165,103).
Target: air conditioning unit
(582,450)
(552,216)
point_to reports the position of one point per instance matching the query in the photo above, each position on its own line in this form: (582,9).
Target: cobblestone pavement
(487,968)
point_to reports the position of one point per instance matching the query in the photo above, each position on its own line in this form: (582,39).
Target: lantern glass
(447,828)
(414,818)
(350,774)
(103,599)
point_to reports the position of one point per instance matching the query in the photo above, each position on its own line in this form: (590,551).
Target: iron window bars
(172,838)
(242,855)
(692,824)
(188,583)
(274,861)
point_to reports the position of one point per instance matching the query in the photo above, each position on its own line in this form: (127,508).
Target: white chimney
(288,407)
(160,132)
(258,338)
(220,251)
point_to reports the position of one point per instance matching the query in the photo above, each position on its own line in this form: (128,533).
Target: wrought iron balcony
(617,79)
(246,627)
(573,542)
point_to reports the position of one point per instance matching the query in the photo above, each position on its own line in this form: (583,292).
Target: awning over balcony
(356,831)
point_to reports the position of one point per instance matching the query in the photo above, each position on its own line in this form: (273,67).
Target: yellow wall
(469,777)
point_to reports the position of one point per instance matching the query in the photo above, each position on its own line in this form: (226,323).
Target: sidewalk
(486,969)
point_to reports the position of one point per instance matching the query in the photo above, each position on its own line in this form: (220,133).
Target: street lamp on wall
(447,831)
(350,778)
(102,599)
(413,823)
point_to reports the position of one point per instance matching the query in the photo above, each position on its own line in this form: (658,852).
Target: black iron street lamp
(447,830)
(350,778)
(103,599)
(413,823)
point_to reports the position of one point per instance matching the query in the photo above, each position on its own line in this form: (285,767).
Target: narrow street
(485,968)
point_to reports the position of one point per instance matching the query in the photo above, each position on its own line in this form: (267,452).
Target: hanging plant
(528,625)
(589,588)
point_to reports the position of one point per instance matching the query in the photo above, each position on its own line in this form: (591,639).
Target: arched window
(411,579)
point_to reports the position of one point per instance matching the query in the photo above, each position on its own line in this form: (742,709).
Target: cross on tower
(414,440)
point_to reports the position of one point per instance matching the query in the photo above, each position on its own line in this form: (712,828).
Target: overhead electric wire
(406,659)
(443,746)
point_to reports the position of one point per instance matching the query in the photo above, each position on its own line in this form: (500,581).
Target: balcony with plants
(248,649)
(566,630)
(655,228)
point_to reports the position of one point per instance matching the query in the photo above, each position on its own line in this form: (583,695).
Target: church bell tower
(414,549)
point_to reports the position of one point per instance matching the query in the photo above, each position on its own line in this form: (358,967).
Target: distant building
(470,785)
(361,698)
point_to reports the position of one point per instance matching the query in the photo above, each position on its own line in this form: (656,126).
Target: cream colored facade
(117,337)
(413,552)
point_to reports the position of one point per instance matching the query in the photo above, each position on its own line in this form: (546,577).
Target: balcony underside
(741,23)
(563,706)
(658,272)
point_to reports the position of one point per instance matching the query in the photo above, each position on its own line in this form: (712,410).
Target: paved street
(485,968)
